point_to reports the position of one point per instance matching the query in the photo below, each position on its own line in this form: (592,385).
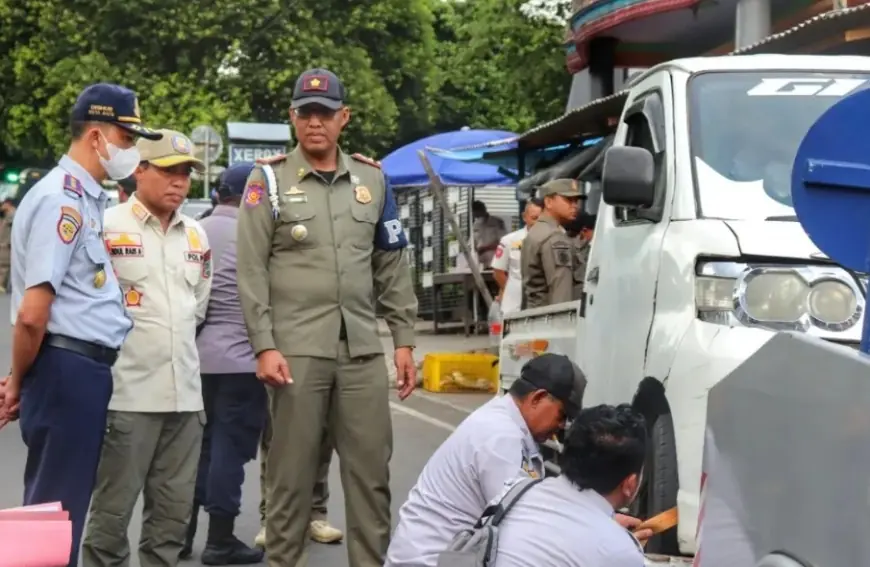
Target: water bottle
(495,323)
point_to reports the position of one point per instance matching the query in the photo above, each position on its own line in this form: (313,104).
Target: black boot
(223,548)
(187,550)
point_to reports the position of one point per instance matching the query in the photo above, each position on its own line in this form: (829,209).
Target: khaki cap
(172,149)
(563,187)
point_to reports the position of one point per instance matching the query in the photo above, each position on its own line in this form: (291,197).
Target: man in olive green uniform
(552,266)
(319,243)
(8,210)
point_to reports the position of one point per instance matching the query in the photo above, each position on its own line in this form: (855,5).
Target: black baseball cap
(114,104)
(318,86)
(559,377)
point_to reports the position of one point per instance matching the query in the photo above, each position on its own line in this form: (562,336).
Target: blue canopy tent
(404,168)
(505,154)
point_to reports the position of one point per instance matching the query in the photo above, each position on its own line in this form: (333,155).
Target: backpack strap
(498,510)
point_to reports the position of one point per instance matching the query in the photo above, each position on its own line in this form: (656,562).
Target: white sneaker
(260,540)
(323,532)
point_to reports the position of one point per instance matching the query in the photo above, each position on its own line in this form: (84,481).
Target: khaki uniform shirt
(313,254)
(6,241)
(165,281)
(548,265)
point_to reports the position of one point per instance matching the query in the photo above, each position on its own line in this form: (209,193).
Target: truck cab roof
(761,62)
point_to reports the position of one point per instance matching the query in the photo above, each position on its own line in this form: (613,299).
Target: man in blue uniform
(69,321)
(235,400)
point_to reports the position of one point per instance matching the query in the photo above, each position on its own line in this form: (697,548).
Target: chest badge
(100,278)
(296,195)
(299,232)
(363,196)
(133,297)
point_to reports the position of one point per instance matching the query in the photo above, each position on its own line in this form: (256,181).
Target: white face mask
(120,163)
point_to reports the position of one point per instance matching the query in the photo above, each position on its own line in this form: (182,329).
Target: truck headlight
(796,298)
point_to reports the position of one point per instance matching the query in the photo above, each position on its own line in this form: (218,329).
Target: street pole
(207,172)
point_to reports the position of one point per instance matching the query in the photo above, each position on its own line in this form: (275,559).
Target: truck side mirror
(628,177)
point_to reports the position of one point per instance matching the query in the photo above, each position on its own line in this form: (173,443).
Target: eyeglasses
(321,112)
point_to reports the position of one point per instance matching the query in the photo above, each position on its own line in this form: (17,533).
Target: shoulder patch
(72,186)
(366,160)
(69,223)
(272,159)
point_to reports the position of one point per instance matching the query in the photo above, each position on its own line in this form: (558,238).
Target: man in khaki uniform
(320,529)
(154,427)
(8,210)
(319,243)
(551,267)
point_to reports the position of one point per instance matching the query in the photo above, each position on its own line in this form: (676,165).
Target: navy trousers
(64,401)
(235,408)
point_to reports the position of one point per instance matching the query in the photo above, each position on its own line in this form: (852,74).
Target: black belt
(94,351)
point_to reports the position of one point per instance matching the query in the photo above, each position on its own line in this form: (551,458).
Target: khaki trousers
(320,498)
(155,454)
(349,397)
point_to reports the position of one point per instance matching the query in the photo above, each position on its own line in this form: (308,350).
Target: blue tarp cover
(404,168)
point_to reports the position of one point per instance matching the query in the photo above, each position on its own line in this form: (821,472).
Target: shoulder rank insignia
(72,186)
(271,159)
(366,160)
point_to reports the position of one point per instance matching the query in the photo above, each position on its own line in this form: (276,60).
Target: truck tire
(662,483)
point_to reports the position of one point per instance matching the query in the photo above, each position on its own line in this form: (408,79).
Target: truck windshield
(745,130)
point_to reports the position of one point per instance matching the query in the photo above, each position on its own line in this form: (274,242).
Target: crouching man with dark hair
(568,521)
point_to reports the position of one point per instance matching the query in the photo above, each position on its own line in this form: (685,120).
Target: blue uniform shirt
(57,238)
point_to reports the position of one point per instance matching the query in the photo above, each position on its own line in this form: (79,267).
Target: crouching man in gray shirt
(568,521)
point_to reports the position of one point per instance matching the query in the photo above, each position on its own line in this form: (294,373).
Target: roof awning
(823,27)
(594,119)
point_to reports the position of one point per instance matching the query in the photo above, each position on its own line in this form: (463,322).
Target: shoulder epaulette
(366,160)
(271,159)
(72,186)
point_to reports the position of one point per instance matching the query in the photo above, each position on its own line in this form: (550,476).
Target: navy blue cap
(105,102)
(318,86)
(234,178)
(559,377)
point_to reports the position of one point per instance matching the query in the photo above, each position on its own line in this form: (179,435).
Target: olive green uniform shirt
(548,265)
(314,255)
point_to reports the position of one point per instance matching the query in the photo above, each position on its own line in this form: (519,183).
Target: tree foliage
(411,67)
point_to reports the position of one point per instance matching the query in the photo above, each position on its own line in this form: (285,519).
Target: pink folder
(35,536)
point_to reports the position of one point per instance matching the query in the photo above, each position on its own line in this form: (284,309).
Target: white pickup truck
(697,256)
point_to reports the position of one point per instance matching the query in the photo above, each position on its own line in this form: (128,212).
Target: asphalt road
(420,424)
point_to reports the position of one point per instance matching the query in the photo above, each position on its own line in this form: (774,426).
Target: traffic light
(11,176)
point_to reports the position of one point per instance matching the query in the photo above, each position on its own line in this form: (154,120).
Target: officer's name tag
(297,199)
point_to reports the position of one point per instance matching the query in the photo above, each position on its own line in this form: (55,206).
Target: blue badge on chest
(390,235)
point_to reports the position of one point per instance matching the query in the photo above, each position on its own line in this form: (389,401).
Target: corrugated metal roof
(591,119)
(817,28)
(258,132)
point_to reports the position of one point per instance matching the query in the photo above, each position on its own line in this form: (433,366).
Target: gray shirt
(557,525)
(492,447)
(223,343)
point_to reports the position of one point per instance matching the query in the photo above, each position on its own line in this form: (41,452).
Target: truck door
(623,268)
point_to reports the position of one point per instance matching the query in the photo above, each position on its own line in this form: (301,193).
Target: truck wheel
(662,483)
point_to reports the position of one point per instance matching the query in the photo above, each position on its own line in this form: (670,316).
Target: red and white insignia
(315,83)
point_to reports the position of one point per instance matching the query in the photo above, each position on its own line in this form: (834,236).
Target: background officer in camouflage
(550,265)
(319,243)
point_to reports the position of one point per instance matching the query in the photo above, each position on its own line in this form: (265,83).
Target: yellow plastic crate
(454,372)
